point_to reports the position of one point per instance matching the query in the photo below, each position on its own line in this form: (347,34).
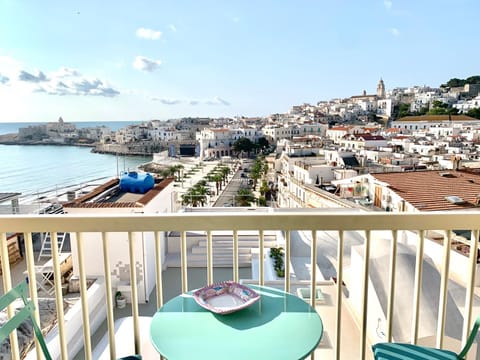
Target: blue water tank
(136,183)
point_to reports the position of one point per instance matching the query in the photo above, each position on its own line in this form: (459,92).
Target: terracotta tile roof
(392,130)
(155,191)
(97,191)
(437,118)
(426,190)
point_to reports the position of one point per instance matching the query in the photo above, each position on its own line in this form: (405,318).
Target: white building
(412,123)
(465,105)
(110,199)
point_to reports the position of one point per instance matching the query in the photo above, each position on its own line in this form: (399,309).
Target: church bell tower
(381,89)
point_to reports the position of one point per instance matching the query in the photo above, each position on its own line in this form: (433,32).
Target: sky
(142,60)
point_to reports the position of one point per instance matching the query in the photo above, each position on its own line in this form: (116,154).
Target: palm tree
(200,192)
(244,197)
(167,172)
(224,171)
(196,196)
(218,182)
(178,170)
(217,179)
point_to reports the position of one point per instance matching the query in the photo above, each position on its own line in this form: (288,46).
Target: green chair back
(398,351)
(471,339)
(28,311)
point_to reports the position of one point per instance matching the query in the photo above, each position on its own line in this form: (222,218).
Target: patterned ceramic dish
(225,297)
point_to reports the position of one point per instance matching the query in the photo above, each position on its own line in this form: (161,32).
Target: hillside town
(323,145)
(354,148)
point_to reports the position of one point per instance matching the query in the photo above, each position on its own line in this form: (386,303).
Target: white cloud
(394,31)
(79,86)
(388,4)
(172,28)
(149,34)
(3,79)
(28,77)
(65,72)
(215,101)
(145,64)
(62,82)
(167,101)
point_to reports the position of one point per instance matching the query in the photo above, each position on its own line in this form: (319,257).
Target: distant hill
(454,82)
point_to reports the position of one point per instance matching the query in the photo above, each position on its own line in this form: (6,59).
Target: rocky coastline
(12,139)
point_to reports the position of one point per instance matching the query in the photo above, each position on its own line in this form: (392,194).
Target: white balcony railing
(405,230)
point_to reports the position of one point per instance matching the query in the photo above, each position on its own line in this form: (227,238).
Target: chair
(20,291)
(399,351)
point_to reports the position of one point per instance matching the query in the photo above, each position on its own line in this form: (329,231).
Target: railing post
(58,296)
(313,282)
(108,295)
(287,261)
(235,255)
(313,264)
(442,305)
(417,289)
(32,283)
(84,298)
(133,283)
(470,285)
(183,255)
(391,296)
(366,261)
(338,325)
(158,270)
(209,257)
(261,257)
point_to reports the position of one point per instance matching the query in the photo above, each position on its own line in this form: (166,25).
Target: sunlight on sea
(39,168)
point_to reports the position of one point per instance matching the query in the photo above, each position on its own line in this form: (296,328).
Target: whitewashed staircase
(222,250)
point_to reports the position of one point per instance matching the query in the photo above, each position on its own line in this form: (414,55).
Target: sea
(37,169)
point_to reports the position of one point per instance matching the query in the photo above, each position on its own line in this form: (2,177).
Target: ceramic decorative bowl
(225,297)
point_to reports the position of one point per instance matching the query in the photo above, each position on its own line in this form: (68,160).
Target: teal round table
(278,326)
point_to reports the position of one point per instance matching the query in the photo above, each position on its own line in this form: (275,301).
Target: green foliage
(441,108)
(262,201)
(403,110)
(278,263)
(263,143)
(264,187)
(474,113)
(244,197)
(455,82)
(243,144)
(423,111)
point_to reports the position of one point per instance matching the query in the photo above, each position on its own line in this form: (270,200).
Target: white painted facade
(144,245)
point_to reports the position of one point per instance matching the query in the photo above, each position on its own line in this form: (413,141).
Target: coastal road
(227,196)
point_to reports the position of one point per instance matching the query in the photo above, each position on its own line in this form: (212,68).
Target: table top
(279,326)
